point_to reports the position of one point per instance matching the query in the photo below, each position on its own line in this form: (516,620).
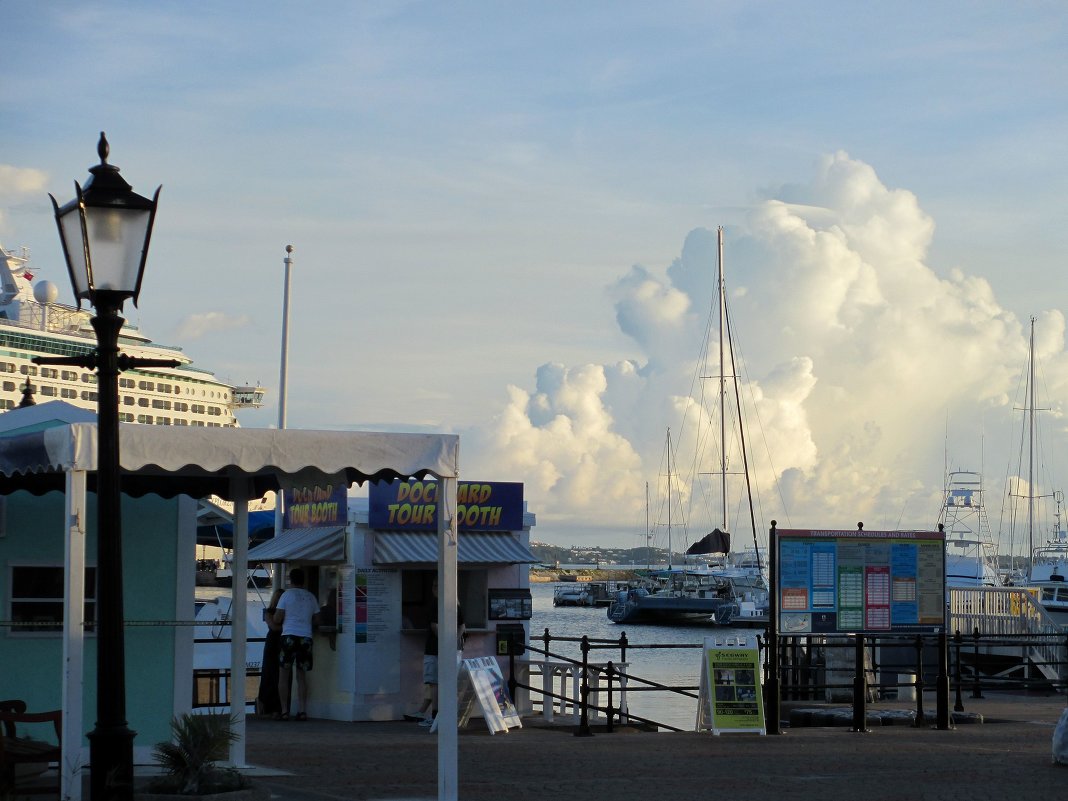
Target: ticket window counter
(417,598)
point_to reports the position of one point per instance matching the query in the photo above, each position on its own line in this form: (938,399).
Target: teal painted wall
(31,666)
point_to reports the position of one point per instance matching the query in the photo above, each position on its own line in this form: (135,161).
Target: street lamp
(105,231)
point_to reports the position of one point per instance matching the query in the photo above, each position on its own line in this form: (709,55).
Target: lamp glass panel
(70,227)
(116,241)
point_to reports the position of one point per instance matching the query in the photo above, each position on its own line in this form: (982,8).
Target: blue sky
(501,213)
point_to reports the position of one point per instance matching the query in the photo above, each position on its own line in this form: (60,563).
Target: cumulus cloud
(853,354)
(196,326)
(18,185)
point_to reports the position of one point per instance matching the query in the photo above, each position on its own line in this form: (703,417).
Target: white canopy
(171,460)
(236,464)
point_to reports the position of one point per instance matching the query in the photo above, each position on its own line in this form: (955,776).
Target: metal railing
(876,667)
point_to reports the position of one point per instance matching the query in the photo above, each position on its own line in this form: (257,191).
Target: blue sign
(316,507)
(413,506)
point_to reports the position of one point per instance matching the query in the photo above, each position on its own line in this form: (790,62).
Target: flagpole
(279,579)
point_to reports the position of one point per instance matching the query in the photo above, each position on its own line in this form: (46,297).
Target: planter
(253,793)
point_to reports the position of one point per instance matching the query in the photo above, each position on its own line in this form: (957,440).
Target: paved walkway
(1009,755)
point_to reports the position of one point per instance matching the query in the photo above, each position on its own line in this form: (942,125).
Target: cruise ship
(33,324)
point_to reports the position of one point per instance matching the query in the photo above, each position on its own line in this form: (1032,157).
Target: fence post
(583,729)
(860,689)
(977,690)
(611,712)
(958,639)
(513,682)
(920,717)
(942,695)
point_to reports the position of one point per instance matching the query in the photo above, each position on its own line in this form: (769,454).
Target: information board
(859,581)
(731,698)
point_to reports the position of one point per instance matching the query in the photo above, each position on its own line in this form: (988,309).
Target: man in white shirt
(298,615)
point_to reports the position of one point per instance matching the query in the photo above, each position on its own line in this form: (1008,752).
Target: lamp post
(105,231)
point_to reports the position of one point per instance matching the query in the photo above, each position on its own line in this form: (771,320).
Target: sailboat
(1048,566)
(707,594)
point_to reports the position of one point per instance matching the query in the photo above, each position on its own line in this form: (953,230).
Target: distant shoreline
(540,575)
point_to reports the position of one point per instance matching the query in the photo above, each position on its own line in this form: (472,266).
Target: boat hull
(665,610)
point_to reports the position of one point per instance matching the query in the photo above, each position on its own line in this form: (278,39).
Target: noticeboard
(859,581)
(731,697)
(510,604)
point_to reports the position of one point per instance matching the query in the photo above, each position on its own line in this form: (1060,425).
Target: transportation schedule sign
(860,581)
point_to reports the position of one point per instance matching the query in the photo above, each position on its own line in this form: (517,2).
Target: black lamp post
(105,232)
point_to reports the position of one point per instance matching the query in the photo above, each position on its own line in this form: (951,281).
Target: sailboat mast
(671,560)
(722,382)
(648,540)
(1031,441)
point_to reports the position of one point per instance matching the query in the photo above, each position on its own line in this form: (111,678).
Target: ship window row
(90,377)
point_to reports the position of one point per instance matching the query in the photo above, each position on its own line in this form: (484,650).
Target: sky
(504,226)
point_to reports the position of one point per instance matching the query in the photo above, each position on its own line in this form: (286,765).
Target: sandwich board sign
(481,682)
(730,698)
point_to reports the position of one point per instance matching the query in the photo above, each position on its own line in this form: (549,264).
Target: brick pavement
(1008,755)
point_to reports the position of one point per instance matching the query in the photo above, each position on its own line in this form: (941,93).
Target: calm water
(671,666)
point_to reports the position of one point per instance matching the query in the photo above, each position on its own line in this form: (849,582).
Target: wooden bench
(19,749)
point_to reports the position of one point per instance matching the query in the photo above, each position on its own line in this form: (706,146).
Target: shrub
(199,741)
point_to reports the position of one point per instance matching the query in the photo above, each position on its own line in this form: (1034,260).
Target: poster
(376,612)
(481,681)
(731,697)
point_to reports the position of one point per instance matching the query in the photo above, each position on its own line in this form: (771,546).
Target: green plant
(199,741)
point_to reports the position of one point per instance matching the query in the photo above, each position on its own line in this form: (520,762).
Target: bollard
(957,640)
(583,729)
(860,690)
(977,690)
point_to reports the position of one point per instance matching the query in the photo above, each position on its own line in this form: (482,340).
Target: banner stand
(731,698)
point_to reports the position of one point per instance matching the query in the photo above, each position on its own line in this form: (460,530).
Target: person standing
(267,701)
(429,708)
(297,613)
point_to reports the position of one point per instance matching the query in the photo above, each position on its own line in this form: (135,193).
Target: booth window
(416,595)
(36,602)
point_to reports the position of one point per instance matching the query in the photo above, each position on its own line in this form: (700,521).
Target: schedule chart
(859,581)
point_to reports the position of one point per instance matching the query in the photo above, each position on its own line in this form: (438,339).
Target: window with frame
(37,598)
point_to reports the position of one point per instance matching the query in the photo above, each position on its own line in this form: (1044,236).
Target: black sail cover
(715,542)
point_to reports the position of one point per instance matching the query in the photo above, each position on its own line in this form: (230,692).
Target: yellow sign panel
(731,696)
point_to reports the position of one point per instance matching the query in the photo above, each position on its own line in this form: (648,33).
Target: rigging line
(741,437)
(764,438)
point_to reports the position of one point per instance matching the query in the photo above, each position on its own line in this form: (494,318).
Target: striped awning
(473,548)
(312,545)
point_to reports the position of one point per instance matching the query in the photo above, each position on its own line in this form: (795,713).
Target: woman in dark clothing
(267,701)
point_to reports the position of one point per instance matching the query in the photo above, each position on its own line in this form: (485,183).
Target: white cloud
(856,352)
(20,182)
(18,185)
(196,326)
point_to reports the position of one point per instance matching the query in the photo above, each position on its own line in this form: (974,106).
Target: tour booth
(372,562)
